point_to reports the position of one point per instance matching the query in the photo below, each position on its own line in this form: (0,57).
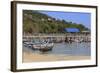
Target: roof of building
(86,31)
(72,30)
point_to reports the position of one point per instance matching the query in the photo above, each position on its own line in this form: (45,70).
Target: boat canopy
(71,30)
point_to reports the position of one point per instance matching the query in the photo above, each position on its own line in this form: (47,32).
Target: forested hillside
(37,22)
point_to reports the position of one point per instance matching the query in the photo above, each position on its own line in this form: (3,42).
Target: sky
(75,17)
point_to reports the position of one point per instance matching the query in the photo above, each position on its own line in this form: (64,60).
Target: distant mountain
(36,22)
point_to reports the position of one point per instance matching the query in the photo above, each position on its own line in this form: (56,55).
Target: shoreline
(33,57)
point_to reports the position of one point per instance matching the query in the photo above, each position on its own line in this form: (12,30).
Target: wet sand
(34,57)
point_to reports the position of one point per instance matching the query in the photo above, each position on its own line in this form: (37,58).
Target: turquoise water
(80,49)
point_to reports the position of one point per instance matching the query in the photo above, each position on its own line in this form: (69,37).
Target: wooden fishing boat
(43,46)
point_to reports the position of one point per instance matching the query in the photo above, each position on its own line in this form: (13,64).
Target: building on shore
(75,35)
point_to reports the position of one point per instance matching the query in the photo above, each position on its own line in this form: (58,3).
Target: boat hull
(43,47)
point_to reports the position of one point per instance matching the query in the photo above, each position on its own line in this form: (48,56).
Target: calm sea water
(80,49)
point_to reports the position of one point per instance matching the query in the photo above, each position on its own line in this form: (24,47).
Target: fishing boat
(43,45)
(27,44)
(78,40)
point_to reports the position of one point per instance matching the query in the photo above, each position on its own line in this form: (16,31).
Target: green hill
(36,22)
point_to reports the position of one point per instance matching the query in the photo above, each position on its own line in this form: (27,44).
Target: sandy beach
(34,57)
